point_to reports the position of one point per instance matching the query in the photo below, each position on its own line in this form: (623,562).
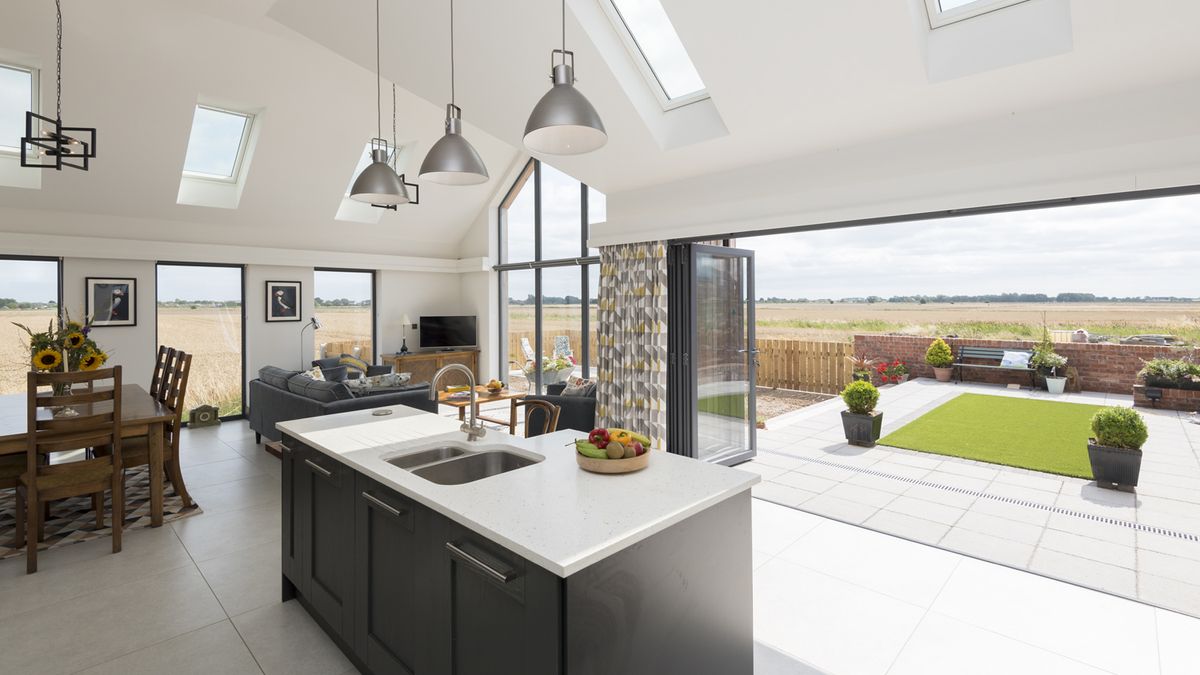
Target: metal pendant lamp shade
(378,183)
(453,160)
(564,122)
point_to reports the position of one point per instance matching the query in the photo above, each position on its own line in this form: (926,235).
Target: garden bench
(990,354)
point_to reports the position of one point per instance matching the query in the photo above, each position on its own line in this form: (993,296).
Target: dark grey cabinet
(326,531)
(493,611)
(290,516)
(388,569)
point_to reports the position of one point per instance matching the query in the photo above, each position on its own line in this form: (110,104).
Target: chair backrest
(177,390)
(162,369)
(97,421)
(982,353)
(562,346)
(541,416)
(527,348)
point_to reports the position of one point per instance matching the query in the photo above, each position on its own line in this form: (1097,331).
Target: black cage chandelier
(47,140)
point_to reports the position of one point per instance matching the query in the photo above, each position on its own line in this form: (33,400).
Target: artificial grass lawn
(1031,434)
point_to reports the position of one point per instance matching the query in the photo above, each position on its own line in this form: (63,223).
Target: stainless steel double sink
(459,462)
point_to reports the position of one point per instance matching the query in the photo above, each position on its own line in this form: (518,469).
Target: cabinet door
(327,534)
(388,617)
(466,358)
(290,513)
(494,612)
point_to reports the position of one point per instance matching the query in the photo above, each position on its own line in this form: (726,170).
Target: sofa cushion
(337,374)
(323,392)
(326,364)
(354,363)
(577,386)
(314,374)
(276,377)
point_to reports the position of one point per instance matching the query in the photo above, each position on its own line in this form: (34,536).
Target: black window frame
(533,171)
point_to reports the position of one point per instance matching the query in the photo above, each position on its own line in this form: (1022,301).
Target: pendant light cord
(395,148)
(452,99)
(564,29)
(378,78)
(58,76)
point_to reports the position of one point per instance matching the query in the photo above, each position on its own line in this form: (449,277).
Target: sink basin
(472,467)
(429,456)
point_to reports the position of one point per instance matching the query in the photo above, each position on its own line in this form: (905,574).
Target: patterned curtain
(632,368)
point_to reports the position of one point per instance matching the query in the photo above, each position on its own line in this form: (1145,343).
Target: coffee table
(482,395)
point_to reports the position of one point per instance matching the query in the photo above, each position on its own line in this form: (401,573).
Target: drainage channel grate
(1140,527)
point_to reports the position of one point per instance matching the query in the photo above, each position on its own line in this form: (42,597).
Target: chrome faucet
(471,428)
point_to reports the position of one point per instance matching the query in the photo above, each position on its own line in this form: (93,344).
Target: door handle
(382,504)
(318,468)
(502,576)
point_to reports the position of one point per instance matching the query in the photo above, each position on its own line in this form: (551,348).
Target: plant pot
(1056,385)
(943,374)
(862,430)
(1114,468)
(901,379)
(1172,384)
(861,376)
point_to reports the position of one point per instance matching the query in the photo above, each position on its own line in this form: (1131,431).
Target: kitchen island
(421,552)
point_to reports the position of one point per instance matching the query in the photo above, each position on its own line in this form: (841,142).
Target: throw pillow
(577,386)
(353,363)
(314,374)
(1015,360)
(337,374)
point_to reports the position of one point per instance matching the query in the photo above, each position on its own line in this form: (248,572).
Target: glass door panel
(723,354)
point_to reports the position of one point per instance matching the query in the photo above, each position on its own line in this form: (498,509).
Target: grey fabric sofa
(332,364)
(280,395)
(575,412)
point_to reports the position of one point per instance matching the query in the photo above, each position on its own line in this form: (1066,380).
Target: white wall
(276,343)
(131,347)
(415,294)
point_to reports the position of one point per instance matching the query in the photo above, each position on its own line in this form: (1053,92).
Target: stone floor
(1144,545)
(202,596)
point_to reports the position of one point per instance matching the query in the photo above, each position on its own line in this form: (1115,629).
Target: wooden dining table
(141,415)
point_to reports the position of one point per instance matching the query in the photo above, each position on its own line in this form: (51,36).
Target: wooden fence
(804,365)
(338,347)
(575,337)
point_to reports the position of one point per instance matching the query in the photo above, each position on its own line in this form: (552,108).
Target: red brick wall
(1173,399)
(1110,368)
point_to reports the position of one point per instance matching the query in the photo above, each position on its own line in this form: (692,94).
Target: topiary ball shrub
(1119,428)
(939,355)
(860,397)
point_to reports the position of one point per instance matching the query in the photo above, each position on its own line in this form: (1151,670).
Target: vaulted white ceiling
(789,79)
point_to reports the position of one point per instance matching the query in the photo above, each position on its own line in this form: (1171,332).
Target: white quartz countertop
(553,513)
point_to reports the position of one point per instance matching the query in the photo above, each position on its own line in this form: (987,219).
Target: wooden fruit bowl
(613,465)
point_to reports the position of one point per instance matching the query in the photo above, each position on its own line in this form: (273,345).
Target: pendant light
(378,184)
(452,160)
(563,122)
(404,185)
(53,141)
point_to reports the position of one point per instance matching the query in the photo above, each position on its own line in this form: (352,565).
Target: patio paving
(1144,546)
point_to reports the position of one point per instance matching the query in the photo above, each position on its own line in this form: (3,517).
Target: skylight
(16,97)
(943,12)
(217,143)
(647,31)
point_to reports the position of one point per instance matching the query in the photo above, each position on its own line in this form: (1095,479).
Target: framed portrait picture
(283,301)
(111,301)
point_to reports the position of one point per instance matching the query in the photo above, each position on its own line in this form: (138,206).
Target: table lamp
(404,342)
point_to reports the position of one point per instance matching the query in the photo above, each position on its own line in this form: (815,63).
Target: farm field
(212,335)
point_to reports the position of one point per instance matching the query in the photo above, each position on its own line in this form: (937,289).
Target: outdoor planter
(1172,384)
(943,374)
(1114,468)
(1056,385)
(861,377)
(862,429)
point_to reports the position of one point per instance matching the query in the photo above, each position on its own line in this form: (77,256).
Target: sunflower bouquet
(64,345)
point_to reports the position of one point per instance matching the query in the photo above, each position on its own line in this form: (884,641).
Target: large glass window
(217,143)
(30,297)
(546,271)
(200,312)
(651,38)
(345,305)
(18,87)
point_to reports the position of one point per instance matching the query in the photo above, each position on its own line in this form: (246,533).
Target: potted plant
(1115,451)
(860,367)
(860,420)
(895,372)
(1171,373)
(1047,362)
(941,359)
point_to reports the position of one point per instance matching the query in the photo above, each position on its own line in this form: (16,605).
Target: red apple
(638,448)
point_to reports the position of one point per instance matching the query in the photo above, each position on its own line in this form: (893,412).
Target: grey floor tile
(839,509)
(1169,566)
(212,649)
(781,494)
(284,639)
(216,534)
(862,495)
(1000,527)
(1118,580)
(987,547)
(919,508)
(908,527)
(258,490)
(245,579)
(214,473)
(1170,593)
(1086,547)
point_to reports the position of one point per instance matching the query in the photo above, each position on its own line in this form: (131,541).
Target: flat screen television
(448,332)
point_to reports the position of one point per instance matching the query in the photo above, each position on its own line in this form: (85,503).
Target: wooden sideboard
(423,365)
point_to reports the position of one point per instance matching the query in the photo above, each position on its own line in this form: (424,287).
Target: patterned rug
(72,520)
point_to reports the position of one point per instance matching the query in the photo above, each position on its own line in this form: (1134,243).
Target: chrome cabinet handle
(317,467)
(382,504)
(503,577)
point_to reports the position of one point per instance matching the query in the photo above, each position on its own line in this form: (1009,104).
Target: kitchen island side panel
(680,601)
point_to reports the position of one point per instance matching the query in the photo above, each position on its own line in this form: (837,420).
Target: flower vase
(64,389)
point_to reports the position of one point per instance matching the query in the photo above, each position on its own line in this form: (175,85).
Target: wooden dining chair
(98,423)
(136,451)
(544,414)
(163,364)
